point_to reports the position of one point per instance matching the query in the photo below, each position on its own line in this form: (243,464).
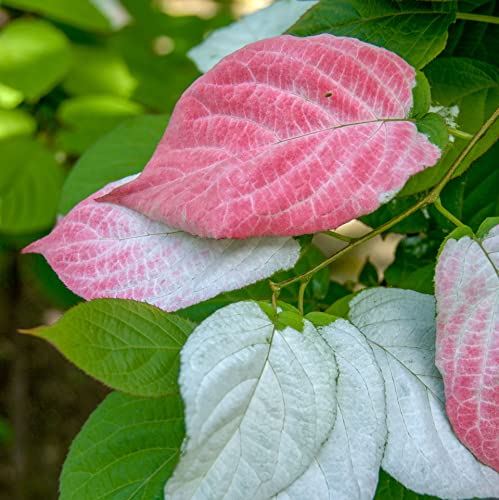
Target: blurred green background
(70,72)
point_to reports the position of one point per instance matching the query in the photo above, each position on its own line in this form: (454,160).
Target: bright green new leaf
(130,346)
(122,152)
(34,57)
(98,70)
(30,184)
(79,13)
(417,31)
(15,122)
(127,450)
(86,118)
(9,97)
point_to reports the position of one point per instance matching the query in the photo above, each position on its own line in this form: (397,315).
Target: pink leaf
(286,136)
(104,250)
(467,291)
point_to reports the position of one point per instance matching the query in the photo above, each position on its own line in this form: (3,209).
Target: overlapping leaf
(417,31)
(264,23)
(104,250)
(286,136)
(259,403)
(467,291)
(421,452)
(348,463)
(472,86)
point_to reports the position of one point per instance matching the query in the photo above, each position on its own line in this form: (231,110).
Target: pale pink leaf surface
(285,136)
(467,348)
(105,250)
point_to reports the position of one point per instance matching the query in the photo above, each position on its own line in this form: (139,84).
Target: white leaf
(106,250)
(347,466)
(421,451)
(259,402)
(264,23)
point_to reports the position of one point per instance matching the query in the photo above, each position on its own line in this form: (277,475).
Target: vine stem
(482,18)
(338,236)
(449,216)
(430,198)
(301,293)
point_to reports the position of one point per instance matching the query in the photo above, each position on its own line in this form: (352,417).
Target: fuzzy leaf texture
(467,291)
(422,452)
(286,136)
(259,403)
(104,250)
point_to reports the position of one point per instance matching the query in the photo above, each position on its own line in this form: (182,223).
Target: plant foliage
(242,369)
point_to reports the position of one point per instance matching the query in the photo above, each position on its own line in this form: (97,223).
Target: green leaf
(415,223)
(127,449)
(87,118)
(9,97)
(421,96)
(369,274)
(81,13)
(162,75)
(486,226)
(130,346)
(414,264)
(122,152)
(34,57)
(473,39)
(341,308)
(417,31)
(476,191)
(318,286)
(390,489)
(474,87)
(433,126)
(16,122)
(320,318)
(30,183)
(98,70)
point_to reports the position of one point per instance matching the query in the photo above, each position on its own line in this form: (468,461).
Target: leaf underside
(104,250)
(259,404)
